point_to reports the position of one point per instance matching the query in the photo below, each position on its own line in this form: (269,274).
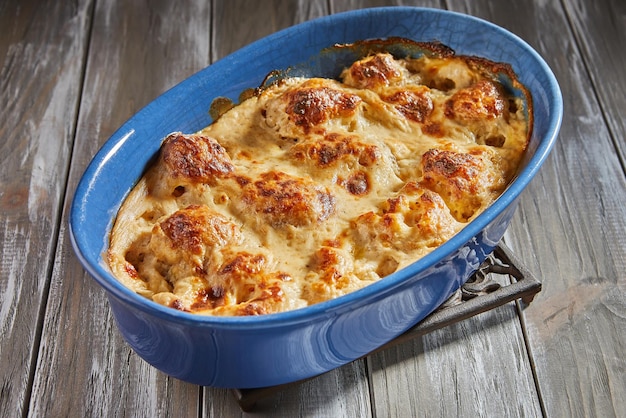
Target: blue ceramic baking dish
(248,352)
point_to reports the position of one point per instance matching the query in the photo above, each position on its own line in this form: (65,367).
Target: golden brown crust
(195,227)
(374,72)
(413,103)
(414,218)
(334,147)
(198,158)
(283,199)
(309,106)
(314,188)
(188,160)
(482,100)
(463,180)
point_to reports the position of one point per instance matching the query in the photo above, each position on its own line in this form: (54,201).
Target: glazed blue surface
(279,348)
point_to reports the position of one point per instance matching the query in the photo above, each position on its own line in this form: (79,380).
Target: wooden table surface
(72,72)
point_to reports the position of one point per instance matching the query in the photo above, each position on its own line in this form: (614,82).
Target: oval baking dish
(248,352)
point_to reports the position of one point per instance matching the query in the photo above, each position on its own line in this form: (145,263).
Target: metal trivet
(479,294)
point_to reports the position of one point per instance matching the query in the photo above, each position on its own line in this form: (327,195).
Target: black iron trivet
(479,294)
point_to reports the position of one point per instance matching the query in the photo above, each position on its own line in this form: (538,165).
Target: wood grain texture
(233,29)
(478,367)
(570,230)
(339,393)
(606,21)
(137,51)
(41,59)
(346,5)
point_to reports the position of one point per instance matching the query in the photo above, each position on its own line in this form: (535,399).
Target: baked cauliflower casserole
(312,188)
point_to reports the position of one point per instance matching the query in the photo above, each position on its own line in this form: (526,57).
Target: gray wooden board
(600,30)
(137,50)
(41,60)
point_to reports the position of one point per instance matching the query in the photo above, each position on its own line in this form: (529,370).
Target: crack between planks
(529,355)
(370,385)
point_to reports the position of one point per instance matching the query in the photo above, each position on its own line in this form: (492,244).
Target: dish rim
(333,307)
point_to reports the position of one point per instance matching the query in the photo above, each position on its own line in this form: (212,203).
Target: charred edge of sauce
(219,106)
(403,48)
(398,47)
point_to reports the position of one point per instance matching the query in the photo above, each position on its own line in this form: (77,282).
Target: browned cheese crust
(314,188)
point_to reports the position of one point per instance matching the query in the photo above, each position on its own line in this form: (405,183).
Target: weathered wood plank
(466,369)
(570,230)
(137,51)
(339,393)
(233,29)
(346,5)
(478,367)
(41,59)
(600,29)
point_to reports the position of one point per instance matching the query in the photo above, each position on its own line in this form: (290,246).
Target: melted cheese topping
(314,188)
